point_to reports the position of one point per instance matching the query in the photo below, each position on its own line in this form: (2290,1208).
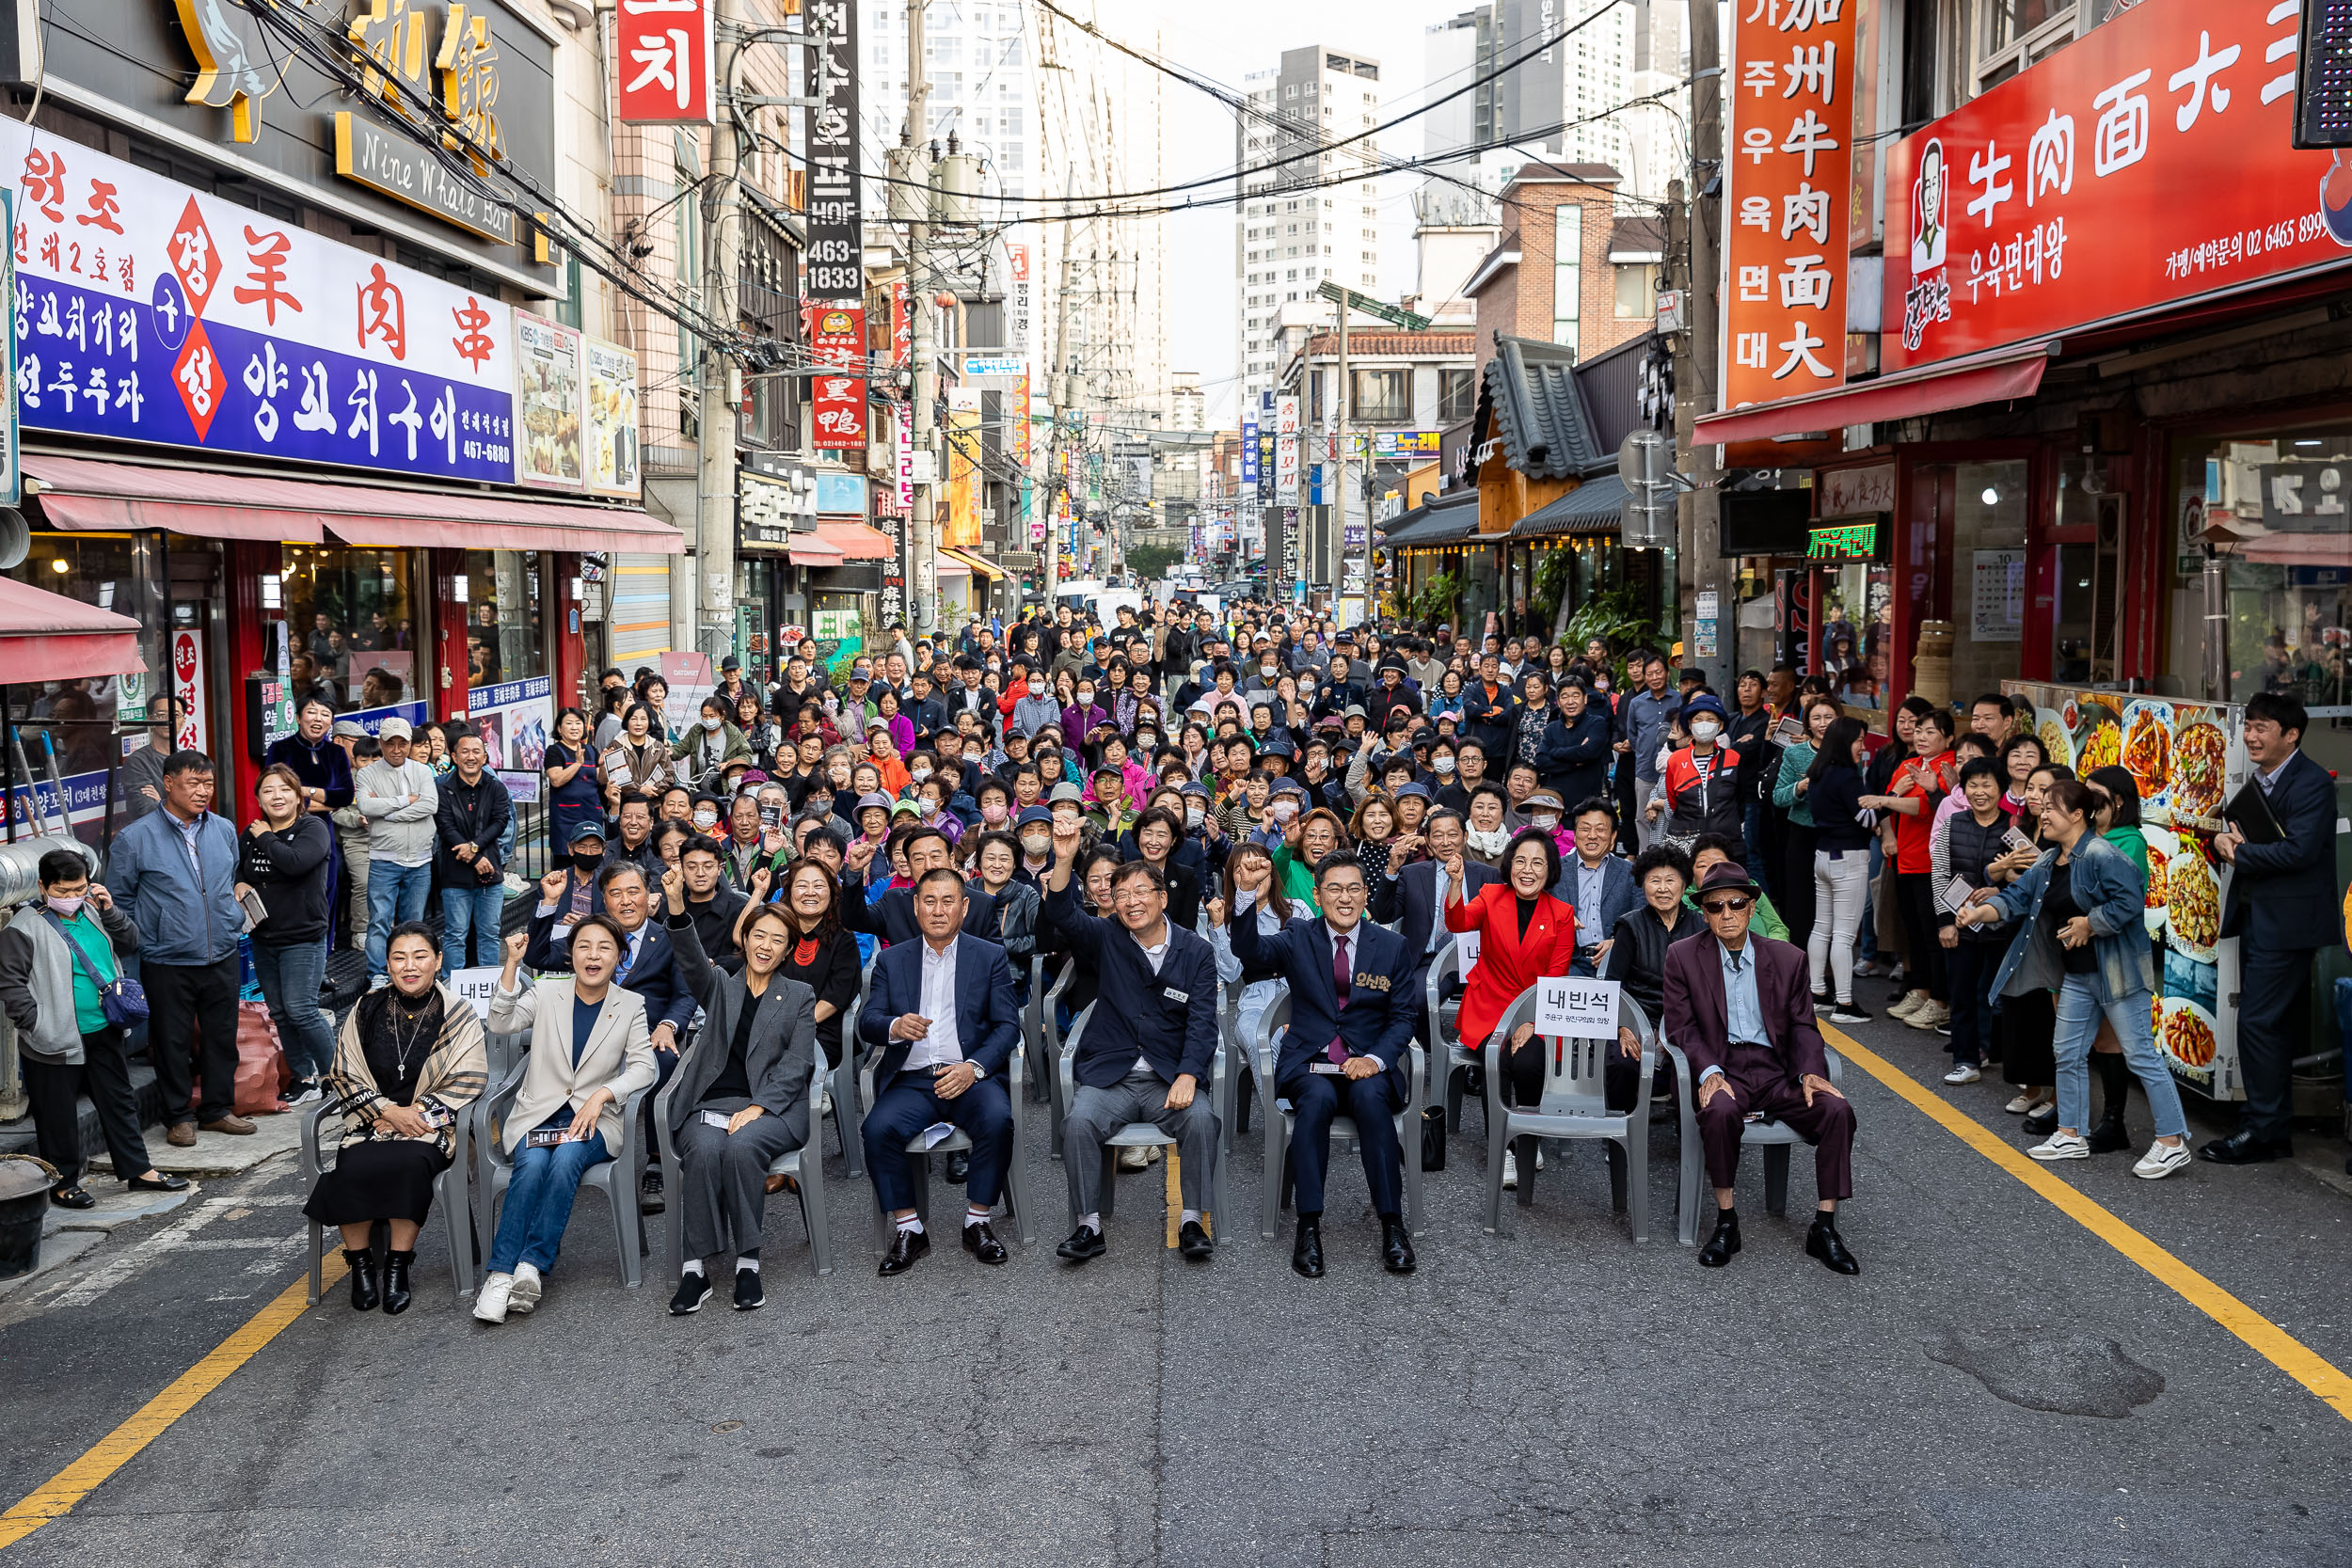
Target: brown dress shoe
(234,1125)
(182,1136)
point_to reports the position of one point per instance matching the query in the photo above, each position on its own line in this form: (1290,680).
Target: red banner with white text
(664,55)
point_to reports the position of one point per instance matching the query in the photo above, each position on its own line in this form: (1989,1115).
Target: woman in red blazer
(1524,934)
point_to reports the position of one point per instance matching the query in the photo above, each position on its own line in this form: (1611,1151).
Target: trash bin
(23,1204)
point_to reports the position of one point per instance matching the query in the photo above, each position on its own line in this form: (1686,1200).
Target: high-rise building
(1550,81)
(1310,210)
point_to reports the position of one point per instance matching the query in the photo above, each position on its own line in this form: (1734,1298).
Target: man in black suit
(2282,905)
(1149,1045)
(1348,1046)
(1418,902)
(893,916)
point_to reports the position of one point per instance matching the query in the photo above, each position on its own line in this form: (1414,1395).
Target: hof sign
(1577,1009)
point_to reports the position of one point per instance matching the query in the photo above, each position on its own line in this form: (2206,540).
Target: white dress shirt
(1154,956)
(940,1047)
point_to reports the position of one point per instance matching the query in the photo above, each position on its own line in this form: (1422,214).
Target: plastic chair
(503,1052)
(804,1164)
(449,1195)
(1575,1107)
(1444,1014)
(1049,1030)
(1234,1118)
(848,1114)
(1147,1134)
(1774,1137)
(1280,1121)
(1033,1027)
(919,1158)
(494,1168)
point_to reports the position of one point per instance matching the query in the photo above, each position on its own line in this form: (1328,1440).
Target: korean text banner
(549,403)
(2146,163)
(1789,161)
(664,48)
(145,311)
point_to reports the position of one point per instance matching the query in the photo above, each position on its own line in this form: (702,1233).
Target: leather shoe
(1396,1245)
(182,1134)
(1724,1243)
(71,1196)
(1824,1243)
(235,1126)
(959,1168)
(1307,1252)
(365,1293)
(2244,1149)
(2040,1125)
(1083,1247)
(396,1293)
(165,1183)
(1193,1242)
(979,1240)
(907,1248)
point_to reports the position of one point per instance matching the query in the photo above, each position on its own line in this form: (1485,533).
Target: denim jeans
(2078,1024)
(289,975)
(395,895)
(470,926)
(539,1199)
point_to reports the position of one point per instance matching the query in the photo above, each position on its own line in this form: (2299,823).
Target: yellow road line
(2266,1338)
(77,1480)
(1175,1197)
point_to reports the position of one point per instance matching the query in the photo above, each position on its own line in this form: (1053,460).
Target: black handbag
(1433,1138)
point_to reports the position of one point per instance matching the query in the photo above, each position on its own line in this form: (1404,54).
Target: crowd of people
(1173,805)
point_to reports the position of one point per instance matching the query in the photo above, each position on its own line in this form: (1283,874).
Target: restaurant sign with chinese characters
(146,311)
(2145,164)
(1790,159)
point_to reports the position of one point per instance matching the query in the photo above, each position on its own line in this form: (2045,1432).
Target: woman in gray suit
(742,1096)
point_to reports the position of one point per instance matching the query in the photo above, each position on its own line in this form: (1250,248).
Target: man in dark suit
(1742,1006)
(1596,880)
(1147,1048)
(1417,903)
(1353,1009)
(893,917)
(2282,905)
(940,1009)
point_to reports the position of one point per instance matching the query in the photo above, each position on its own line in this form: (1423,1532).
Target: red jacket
(1506,965)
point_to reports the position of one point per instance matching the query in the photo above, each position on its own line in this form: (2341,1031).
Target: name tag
(1373,982)
(1175,995)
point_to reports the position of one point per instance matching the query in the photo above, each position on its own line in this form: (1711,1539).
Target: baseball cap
(906,808)
(349,729)
(730,662)
(394,729)
(1420,789)
(587,830)
(1067,792)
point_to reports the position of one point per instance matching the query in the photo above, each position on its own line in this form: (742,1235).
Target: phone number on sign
(489,452)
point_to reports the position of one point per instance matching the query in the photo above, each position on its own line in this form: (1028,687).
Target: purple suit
(1764,1079)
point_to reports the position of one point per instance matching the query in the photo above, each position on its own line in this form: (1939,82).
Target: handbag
(1433,1138)
(124,1002)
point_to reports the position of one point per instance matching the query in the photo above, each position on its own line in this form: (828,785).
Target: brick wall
(1519,303)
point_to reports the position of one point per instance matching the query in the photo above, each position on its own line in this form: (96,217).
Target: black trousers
(198,998)
(1914,900)
(1795,899)
(2274,985)
(54,1088)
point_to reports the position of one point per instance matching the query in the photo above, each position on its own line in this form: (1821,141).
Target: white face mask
(918,774)
(1036,844)
(1705,729)
(1285,809)
(1545,820)
(1443,765)
(705,820)
(1086,699)
(1193,816)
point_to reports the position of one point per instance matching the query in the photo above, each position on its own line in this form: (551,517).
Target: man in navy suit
(940,1011)
(894,916)
(1597,881)
(1419,902)
(1349,1048)
(1147,1048)
(2283,904)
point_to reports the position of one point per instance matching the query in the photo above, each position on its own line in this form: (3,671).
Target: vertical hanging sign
(666,62)
(1789,157)
(835,234)
(836,334)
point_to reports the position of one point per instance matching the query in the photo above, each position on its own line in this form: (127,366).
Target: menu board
(548,403)
(2186,758)
(611,434)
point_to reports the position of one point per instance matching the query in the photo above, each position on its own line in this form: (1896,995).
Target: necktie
(1336,1051)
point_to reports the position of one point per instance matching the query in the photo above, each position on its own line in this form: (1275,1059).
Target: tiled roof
(1530,400)
(1595,506)
(1327,344)
(1443,519)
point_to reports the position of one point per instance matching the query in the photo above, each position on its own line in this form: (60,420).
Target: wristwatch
(978,1071)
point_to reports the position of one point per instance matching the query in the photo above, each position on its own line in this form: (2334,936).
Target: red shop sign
(2145,164)
(665,58)
(836,334)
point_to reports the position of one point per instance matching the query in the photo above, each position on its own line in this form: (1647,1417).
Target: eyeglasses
(1726,906)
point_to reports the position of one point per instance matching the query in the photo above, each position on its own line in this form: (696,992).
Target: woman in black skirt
(409,1062)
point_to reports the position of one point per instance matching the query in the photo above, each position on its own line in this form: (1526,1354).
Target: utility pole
(1339,536)
(1700,516)
(714,470)
(923,569)
(1064,394)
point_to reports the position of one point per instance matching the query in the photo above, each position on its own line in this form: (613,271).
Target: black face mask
(586,861)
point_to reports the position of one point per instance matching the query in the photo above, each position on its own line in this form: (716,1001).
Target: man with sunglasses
(1742,1006)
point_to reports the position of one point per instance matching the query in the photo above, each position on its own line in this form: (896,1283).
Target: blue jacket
(181,919)
(2107,885)
(2283,895)
(988,1021)
(1168,1018)
(1377,1017)
(1575,757)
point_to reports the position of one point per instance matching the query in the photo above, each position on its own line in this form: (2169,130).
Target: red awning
(856,541)
(809,550)
(2010,373)
(80,492)
(48,637)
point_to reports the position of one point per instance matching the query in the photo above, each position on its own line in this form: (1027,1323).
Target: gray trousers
(1097,1115)
(721,1196)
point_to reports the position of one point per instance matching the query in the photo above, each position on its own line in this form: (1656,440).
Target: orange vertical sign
(1789,151)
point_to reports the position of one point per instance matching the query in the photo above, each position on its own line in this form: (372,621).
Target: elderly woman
(1525,933)
(409,1062)
(637,759)
(741,1098)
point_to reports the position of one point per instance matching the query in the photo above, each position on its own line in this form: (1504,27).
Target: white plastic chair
(1049,1031)
(1280,1121)
(451,1196)
(1147,1134)
(616,1179)
(1445,1042)
(958,1141)
(804,1164)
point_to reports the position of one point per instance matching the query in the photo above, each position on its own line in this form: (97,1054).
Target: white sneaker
(1963,1073)
(306,1094)
(1510,1171)
(2063,1146)
(525,1292)
(2162,1160)
(1912,1003)
(1539,1156)
(1930,1015)
(2020,1106)
(490,1302)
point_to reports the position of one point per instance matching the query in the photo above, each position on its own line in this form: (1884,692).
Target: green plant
(1438,597)
(1151,563)
(1617,614)
(1551,582)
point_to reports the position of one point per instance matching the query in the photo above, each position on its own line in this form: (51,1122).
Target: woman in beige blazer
(590,1050)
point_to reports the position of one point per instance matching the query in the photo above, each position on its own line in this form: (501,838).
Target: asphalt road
(2000,1386)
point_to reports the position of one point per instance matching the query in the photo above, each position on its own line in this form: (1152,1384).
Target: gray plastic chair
(449,1195)
(848,1114)
(1445,1042)
(1049,1030)
(1147,1134)
(1575,1107)
(502,1051)
(804,1164)
(1033,1027)
(614,1177)
(919,1159)
(1280,1120)
(1776,1138)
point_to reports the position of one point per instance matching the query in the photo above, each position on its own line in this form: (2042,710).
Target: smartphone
(545,1137)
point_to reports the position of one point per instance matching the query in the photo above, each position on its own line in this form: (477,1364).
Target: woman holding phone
(283,869)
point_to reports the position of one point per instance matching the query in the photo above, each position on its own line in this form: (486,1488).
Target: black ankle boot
(364,1293)
(2109,1135)
(396,1280)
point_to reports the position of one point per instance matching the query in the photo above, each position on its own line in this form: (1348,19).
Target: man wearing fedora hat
(1742,1006)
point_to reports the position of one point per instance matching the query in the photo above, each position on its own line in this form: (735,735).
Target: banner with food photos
(2186,758)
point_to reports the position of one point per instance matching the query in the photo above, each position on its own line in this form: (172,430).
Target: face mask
(1443,765)
(1285,810)
(1705,729)
(586,861)
(992,812)
(1545,820)
(709,722)
(1036,844)
(66,908)
(1086,699)
(705,820)
(918,774)
(1193,816)
(1147,743)
(820,804)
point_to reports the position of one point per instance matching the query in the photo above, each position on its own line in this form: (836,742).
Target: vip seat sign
(146,311)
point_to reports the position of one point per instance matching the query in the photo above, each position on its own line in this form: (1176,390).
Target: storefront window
(356,624)
(117,572)
(1990,506)
(503,629)
(1857,625)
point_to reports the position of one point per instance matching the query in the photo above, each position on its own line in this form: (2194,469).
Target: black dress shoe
(366,1293)
(1307,1252)
(1193,1242)
(1083,1247)
(1396,1245)
(1724,1243)
(1823,1242)
(750,1295)
(979,1240)
(71,1197)
(907,1248)
(692,1291)
(959,1168)
(2041,1125)
(165,1183)
(2244,1149)
(396,1296)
